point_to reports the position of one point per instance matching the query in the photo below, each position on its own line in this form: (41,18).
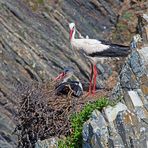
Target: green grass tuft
(127,15)
(77,121)
(40,1)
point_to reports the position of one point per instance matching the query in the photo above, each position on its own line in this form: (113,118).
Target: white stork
(93,49)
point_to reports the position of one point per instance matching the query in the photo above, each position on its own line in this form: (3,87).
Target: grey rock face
(115,141)
(52,143)
(122,128)
(132,71)
(126,79)
(128,126)
(95,131)
(137,64)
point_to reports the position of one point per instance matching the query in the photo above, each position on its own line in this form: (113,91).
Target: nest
(42,114)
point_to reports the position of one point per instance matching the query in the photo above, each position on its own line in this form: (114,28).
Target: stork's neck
(68,76)
(72,34)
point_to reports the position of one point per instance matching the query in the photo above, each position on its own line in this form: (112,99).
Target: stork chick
(69,83)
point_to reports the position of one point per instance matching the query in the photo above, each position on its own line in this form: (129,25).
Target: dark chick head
(68,70)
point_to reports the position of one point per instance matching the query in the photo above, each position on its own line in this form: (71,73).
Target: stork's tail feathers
(114,50)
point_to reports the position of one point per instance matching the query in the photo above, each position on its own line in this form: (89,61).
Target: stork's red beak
(71,32)
(60,76)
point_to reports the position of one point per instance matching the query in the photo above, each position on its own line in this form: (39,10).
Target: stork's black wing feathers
(114,50)
(64,89)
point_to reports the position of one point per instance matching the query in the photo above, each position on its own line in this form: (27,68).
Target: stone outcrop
(124,125)
(52,143)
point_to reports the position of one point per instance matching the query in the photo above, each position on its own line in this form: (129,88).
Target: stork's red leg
(90,83)
(95,79)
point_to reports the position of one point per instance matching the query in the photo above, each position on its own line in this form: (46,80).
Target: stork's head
(71,25)
(67,72)
(72,29)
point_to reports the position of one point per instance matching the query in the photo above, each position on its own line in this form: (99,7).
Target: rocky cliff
(34,44)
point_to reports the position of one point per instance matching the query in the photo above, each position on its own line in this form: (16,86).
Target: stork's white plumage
(94,48)
(88,45)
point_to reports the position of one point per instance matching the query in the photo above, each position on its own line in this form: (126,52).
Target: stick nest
(42,114)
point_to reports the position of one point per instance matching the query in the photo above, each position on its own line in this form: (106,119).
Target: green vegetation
(122,27)
(127,15)
(40,1)
(77,120)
